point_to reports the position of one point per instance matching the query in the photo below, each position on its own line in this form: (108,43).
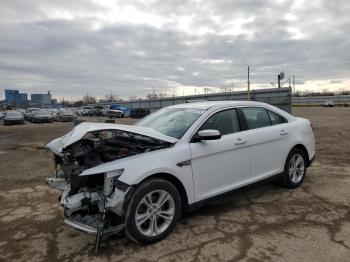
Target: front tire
(294,169)
(152,211)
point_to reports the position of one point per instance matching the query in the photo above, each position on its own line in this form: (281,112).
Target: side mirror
(207,134)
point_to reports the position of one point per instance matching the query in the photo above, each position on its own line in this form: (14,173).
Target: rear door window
(256,117)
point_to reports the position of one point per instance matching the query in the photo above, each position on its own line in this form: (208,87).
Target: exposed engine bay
(97,148)
(95,203)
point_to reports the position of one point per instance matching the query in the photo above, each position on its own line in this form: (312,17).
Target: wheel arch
(304,149)
(176,182)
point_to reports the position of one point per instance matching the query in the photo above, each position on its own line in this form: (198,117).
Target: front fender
(139,167)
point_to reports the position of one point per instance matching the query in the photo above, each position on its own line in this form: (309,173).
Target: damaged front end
(95,203)
(97,207)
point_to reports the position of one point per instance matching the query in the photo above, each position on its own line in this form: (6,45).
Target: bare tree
(152,96)
(89,99)
(111,98)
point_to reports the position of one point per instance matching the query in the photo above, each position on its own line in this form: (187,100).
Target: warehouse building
(16,99)
(41,100)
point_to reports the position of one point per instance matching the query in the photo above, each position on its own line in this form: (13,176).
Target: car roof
(218,104)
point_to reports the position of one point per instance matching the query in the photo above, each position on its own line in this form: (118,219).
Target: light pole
(280,76)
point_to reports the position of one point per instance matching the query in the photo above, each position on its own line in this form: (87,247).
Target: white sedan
(141,178)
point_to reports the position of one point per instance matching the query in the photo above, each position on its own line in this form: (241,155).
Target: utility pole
(248,93)
(279,81)
(293,84)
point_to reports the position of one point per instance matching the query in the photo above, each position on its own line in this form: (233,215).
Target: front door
(220,165)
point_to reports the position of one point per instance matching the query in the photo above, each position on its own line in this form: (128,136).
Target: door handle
(283,132)
(240,141)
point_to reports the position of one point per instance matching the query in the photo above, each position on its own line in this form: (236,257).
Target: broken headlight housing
(110,180)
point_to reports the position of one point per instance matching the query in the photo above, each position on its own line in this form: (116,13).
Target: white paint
(216,166)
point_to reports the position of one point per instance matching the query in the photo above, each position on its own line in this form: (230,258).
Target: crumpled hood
(78,132)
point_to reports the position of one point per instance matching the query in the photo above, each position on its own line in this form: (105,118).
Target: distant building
(41,100)
(16,99)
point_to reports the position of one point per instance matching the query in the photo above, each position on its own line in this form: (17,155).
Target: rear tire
(152,211)
(294,169)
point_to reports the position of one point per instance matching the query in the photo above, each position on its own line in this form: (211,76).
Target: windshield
(66,112)
(13,114)
(29,110)
(36,113)
(171,122)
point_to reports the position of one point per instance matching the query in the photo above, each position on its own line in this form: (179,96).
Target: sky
(130,48)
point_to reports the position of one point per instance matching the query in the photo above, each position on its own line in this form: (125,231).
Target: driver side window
(225,121)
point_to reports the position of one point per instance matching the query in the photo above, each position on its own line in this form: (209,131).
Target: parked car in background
(88,111)
(141,178)
(328,103)
(105,110)
(139,112)
(13,117)
(74,110)
(99,110)
(114,112)
(41,116)
(22,111)
(65,115)
(53,113)
(79,111)
(125,112)
(29,113)
(2,114)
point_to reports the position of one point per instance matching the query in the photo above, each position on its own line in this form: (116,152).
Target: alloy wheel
(154,213)
(296,168)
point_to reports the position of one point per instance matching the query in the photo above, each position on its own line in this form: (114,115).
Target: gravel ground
(259,223)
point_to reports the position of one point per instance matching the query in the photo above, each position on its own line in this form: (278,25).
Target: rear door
(268,133)
(223,164)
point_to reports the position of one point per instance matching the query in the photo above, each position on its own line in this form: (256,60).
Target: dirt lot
(259,223)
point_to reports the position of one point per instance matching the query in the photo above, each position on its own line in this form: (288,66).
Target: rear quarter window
(276,119)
